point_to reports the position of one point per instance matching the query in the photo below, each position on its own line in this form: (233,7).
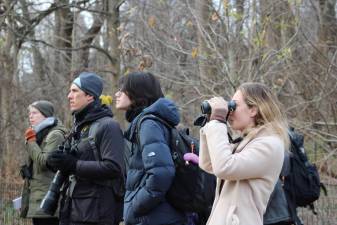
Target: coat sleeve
(261,156)
(110,144)
(205,158)
(158,165)
(39,155)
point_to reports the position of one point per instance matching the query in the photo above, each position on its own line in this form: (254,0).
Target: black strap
(97,154)
(92,142)
(152,117)
(324,189)
(92,137)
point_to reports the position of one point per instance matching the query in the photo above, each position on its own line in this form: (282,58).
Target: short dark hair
(143,88)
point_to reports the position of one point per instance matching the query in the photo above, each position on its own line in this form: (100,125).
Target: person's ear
(253,111)
(90,98)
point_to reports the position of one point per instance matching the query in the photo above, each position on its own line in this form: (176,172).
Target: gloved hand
(30,135)
(61,161)
(219,109)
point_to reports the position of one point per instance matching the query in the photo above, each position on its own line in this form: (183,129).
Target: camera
(206,107)
(50,201)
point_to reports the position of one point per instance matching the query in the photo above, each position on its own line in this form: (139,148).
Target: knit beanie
(45,107)
(90,83)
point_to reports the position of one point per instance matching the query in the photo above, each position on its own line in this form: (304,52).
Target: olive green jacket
(42,176)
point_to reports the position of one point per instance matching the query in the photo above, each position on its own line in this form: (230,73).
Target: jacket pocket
(232,218)
(85,204)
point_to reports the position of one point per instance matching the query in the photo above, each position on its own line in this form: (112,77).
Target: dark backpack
(192,189)
(117,184)
(302,185)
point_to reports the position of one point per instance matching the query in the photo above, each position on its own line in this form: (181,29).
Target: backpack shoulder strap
(152,117)
(94,126)
(92,137)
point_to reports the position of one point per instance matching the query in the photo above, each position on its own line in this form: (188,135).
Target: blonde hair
(269,110)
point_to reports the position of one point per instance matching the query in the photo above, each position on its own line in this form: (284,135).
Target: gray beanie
(45,107)
(90,83)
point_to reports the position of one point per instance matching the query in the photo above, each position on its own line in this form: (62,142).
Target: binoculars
(206,107)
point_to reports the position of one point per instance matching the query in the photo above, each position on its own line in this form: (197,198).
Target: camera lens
(50,200)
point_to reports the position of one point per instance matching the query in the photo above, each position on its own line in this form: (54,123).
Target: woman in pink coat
(246,172)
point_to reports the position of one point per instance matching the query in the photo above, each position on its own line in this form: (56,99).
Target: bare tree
(197,48)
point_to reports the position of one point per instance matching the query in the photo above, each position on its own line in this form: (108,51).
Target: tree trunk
(8,66)
(113,23)
(64,21)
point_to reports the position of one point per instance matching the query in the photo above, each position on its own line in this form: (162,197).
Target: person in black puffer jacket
(91,195)
(151,169)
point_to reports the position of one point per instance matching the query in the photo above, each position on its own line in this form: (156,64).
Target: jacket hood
(163,108)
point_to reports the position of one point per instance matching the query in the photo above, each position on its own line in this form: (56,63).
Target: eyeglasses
(120,91)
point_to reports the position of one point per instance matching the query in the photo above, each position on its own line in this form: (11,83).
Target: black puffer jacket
(93,198)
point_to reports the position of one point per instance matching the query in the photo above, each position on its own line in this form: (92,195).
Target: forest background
(197,48)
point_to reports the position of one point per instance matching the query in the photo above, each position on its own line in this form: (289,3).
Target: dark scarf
(92,112)
(133,113)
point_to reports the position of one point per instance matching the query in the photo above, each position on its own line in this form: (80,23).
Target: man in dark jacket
(95,166)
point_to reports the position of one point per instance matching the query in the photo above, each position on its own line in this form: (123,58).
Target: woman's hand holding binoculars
(219,108)
(215,108)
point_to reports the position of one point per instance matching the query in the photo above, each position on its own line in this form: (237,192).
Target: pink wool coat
(248,176)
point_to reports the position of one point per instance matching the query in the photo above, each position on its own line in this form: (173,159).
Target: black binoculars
(206,107)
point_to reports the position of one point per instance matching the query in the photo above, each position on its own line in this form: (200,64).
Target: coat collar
(252,134)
